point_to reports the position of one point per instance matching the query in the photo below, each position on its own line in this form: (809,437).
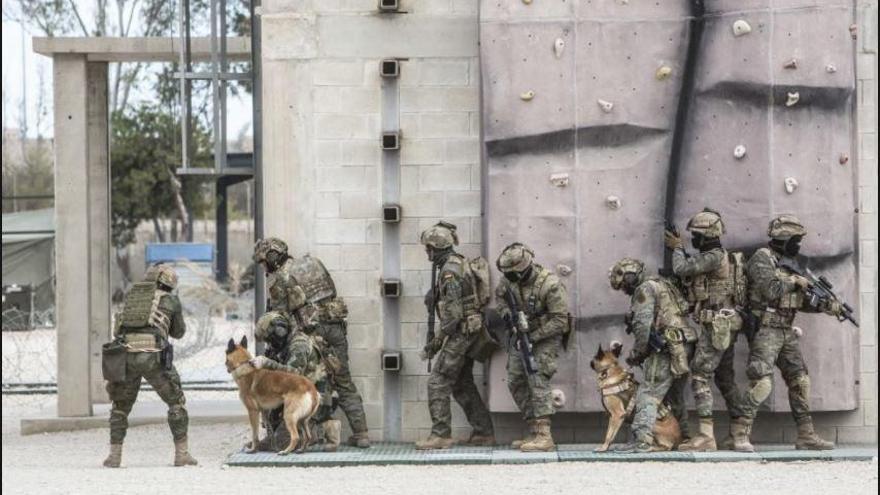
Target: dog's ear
(230,346)
(593,364)
(243,342)
(599,353)
(616,348)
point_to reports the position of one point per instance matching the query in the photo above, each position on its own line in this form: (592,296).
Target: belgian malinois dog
(264,390)
(619,390)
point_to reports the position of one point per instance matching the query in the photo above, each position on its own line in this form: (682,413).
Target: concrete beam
(72,260)
(106,49)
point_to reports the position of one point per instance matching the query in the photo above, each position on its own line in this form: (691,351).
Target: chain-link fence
(213,313)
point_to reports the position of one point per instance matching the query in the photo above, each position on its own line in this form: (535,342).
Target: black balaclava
(438,256)
(517,277)
(787,247)
(630,282)
(274,260)
(706,243)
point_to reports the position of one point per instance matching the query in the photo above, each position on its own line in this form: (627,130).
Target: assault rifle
(519,328)
(820,291)
(656,340)
(431,304)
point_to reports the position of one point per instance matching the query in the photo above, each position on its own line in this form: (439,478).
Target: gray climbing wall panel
(586,93)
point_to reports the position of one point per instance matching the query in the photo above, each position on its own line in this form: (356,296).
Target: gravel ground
(71,463)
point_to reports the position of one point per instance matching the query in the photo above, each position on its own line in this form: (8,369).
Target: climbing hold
(741,27)
(739,151)
(791,185)
(663,73)
(793,98)
(854,31)
(527,96)
(798,331)
(830,68)
(564,270)
(791,64)
(844,159)
(558,47)
(559,180)
(605,105)
(527,2)
(613,202)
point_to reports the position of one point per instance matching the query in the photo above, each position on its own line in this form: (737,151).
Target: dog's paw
(283,452)
(601,448)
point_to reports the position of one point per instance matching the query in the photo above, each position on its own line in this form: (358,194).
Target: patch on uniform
(640,297)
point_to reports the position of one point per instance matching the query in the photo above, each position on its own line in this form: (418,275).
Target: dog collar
(242,370)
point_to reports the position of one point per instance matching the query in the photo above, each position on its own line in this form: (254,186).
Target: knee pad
(700,385)
(801,384)
(177,411)
(761,389)
(757,370)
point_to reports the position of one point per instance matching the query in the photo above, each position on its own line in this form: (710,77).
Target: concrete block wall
(323,167)
(322,107)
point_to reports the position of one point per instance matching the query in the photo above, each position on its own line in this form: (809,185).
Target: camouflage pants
(659,384)
(774,346)
(453,374)
(709,363)
(533,394)
(166,383)
(335,335)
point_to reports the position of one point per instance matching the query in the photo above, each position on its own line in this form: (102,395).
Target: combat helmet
(264,246)
(441,235)
(785,227)
(626,271)
(707,223)
(268,323)
(162,274)
(516,257)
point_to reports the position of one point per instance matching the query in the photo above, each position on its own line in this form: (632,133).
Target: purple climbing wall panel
(581,112)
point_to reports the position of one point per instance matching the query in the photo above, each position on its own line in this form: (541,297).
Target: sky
(21,67)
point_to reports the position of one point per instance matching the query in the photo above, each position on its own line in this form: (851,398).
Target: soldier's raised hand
(671,239)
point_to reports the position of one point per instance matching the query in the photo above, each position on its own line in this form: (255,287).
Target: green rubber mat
(405,453)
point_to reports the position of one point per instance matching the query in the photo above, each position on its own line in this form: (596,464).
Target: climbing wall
(591,109)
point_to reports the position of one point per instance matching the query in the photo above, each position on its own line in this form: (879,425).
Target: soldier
(663,341)
(461,324)
(303,291)
(716,287)
(776,296)
(296,351)
(151,314)
(543,298)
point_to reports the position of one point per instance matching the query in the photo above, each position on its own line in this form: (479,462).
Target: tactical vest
(314,278)
(457,264)
(314,367)
(790,302)
(670,307)
(711,290)
(141,313)
(283,294)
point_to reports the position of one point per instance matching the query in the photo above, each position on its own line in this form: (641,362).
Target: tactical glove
(672,240)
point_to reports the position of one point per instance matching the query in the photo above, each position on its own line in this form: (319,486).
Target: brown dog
(619,390)
(265,390)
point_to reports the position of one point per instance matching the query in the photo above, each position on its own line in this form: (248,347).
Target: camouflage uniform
(711,280)
(461,324)
(152,314)
(304,355)
(543,298)
(776,297)
(327,315)
(656,305)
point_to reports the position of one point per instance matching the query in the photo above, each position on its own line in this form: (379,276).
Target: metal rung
(207,76)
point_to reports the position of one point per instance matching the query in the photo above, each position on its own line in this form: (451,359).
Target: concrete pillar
(82,250)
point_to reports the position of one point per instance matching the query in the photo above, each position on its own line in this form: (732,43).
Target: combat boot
(704,441)
(332,434)
(530,437)
(808,439)
(114,459)
(181,454)
(635,447)
(434,443)
(740,429)
(543,441)
(360,440)
(477,440)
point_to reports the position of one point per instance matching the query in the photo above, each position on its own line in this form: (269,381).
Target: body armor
(141,317)
(314,278)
